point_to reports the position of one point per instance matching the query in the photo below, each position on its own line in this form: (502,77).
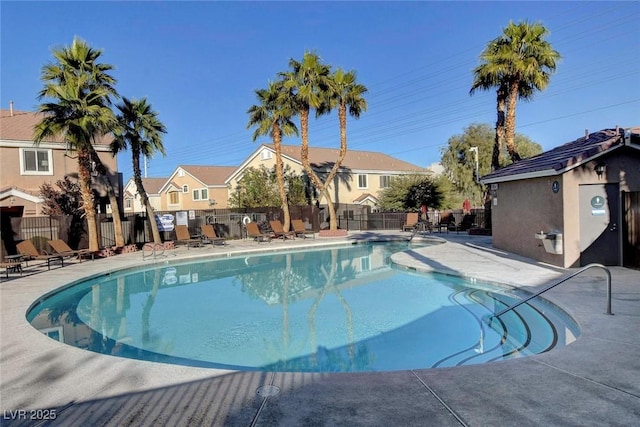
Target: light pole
(475,150)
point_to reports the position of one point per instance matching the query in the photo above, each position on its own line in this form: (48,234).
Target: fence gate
(631,229)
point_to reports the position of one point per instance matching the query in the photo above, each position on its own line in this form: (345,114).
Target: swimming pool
(331,310)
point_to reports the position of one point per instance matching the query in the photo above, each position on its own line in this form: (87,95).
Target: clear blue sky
(198,63)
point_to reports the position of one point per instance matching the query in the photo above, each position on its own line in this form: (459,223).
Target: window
(347,214)
(385,181)
(265,154)
(35,162)
(57,333)
(362,181)
(185,188)
(365,263)
(174,198)
(200,194)
(128,203)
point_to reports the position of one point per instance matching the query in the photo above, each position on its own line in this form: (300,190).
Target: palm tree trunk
(280,176)
(510,123)
(320,186)
(113,200)
(144,199)
(88,204)
(342,117)
(500,133)
(333,219)
(304,151)
(146,309)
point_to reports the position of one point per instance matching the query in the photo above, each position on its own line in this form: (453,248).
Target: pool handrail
(564,279)
(156,250)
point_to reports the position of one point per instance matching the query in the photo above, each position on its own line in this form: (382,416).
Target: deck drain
(268,391)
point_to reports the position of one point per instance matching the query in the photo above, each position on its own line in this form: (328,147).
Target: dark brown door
(631,229)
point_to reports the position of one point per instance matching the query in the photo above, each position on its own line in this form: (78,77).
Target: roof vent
(586,134)
(11,108)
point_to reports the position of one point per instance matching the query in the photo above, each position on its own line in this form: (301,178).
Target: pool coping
(593,381)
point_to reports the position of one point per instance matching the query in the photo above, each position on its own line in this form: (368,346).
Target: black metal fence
(476,218)
(228,223)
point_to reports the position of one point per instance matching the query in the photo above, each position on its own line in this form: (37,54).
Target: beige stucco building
(361,176)
(573,205)
(132,202)
(196,187)
(24,167)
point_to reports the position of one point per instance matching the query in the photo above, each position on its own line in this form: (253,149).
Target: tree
(423,193)
(309,80)
(141,130)
(411,192)
(522,61)
(79,88)
(345,93)
(259,188)
(488,75)
(272,116)
(66,199)
(459,162)
(530,61)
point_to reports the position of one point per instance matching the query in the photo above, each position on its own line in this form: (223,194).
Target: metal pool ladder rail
(152,250)
(564,279)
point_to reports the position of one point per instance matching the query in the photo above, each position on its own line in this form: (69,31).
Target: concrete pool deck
(594,381)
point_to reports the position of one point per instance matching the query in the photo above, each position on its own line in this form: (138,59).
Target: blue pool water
(332,310)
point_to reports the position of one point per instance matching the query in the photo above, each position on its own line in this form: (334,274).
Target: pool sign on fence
(165,222)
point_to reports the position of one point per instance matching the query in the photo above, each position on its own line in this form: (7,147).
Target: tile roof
(210,175)
(153,185)
(561,159)
(19,127)
(354,160)
(364,196)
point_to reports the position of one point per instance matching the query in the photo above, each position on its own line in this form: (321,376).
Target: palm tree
(518,63)
(141,130)
(526,61)
(491,74)
(346,93)
(309,80)
(80,89)
(272,116)
(531,62)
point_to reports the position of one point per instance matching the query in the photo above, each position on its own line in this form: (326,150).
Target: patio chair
(209,233)
(60,247)
(445,221)
(254,232)
(278,230)
(412,221)
(30,253)
(14,266)
(300,229)
(184,237)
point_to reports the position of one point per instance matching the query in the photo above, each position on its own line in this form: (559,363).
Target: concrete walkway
(595,381)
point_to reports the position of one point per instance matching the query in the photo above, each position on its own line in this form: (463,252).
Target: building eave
(560,170)
(21,194)
(12,143)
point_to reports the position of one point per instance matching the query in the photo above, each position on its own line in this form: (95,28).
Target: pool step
(528,328)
